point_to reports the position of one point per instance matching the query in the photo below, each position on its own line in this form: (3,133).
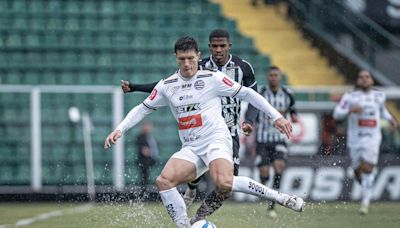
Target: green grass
(335,215)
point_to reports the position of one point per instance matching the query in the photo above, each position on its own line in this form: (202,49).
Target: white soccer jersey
(196,105)
(363,128)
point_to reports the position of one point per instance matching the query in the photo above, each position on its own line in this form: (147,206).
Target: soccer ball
(203,224)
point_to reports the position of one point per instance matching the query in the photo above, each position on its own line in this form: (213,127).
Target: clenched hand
(125,86)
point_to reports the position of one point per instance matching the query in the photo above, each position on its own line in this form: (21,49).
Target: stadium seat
(93,43)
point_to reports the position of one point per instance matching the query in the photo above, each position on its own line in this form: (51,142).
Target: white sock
(250,186)
(367,180)
(175,206)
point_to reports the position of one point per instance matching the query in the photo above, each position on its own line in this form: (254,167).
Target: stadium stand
(93,42)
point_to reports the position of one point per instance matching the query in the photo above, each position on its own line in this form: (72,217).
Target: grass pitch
(326,215)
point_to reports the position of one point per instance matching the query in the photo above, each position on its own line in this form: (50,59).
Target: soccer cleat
(363,210)
(293,202)
(272,214)
(189,197)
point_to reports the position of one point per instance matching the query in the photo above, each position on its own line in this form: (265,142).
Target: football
(203,224)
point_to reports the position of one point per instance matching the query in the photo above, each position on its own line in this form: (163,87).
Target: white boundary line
(52,214)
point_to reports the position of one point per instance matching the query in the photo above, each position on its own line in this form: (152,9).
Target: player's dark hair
(218,33)
(186,43)
(274,68)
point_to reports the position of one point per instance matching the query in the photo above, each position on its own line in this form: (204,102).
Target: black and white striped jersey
(284,102)
(240,71)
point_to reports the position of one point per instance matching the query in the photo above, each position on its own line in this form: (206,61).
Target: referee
(271,144)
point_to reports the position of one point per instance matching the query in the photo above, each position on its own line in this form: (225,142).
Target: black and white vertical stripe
(231,106)
(282,101)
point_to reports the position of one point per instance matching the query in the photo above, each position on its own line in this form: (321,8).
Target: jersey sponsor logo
(199,84)
(367,123)
(170,81)
(227,81)
(153,94)
(186,86)
(185,97)
(191,138)
(187,108)
(188,122)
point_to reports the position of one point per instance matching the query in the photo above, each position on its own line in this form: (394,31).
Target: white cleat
(189,197)
(272,214)
(293,202)
(363,210)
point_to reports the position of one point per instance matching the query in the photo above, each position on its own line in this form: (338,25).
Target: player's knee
(367,168)
(224,186)
(163,183)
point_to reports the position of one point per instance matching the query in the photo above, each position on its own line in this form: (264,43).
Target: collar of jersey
(186,79)
(226,64)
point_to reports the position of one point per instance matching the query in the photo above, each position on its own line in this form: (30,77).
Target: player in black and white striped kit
(271,144)
(238,70)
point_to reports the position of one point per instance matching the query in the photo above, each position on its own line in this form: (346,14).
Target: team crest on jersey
(227,81)
(199,84)
(153,94)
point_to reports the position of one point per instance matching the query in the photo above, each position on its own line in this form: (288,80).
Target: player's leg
(220,163)
(191,192)
(279,155)
(221,172)
(213,196)
(262,150)
(179,169)
(369,160)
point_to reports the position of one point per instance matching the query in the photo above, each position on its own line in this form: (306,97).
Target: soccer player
(271,144)
(206,143)
(238,70)
(364,107)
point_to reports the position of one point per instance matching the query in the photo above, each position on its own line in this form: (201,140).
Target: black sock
(277,181)
(211,203)
(276,185)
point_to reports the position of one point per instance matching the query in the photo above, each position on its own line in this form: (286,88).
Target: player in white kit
(194,99)
(364,107)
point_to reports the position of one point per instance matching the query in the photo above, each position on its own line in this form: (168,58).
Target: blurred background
(61,63)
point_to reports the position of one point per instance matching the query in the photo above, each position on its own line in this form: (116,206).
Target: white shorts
(202,156)
(368,153)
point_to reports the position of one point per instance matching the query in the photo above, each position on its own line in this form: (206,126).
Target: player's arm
(386,114)
(155,100)
(129,87)
(343,108)
(249,80)
(292,107)
(227,87)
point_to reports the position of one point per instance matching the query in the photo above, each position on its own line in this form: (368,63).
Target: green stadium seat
(88,7)
(36,6)
(93,42)
(14,40)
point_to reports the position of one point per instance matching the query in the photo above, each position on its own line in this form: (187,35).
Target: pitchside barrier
(31,163)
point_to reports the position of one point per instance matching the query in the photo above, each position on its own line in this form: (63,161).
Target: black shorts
(235,148)
(269,152)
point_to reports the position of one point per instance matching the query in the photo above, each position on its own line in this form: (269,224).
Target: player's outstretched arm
(129,87)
